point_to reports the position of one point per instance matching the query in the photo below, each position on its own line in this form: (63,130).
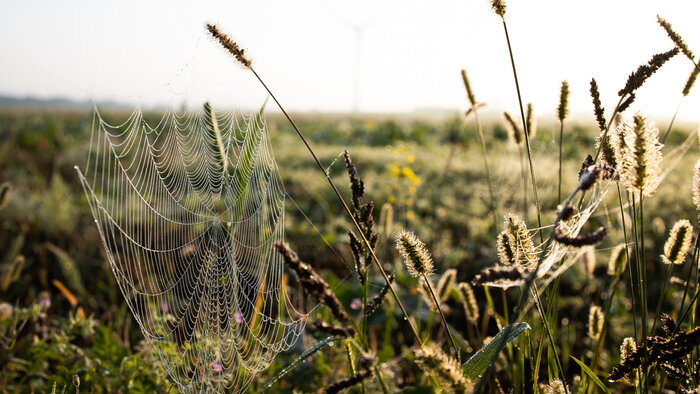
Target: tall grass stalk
(240,56)
(442,317)
(526,131)
(484,153)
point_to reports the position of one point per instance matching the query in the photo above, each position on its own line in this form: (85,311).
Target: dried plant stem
(484,154)
(442,316)
(347,209)
(527,134)
(523,176)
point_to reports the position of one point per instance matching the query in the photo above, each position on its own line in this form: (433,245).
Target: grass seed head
(466,294)
(678,243)
(445,284)
(641,155)
(618,261)
(386,218)
(531,122)
(230,45)
(691,81)
(521,244)
(597,106)
(499,7)
(595,321)
(555,387)
(643,72)
(445,368)
(516,135)
(627,348)
(414,254)
(675,37)
(468,87)
(563,109)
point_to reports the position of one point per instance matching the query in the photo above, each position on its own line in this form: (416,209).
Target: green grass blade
(299,359)
(591,375)
(482,359)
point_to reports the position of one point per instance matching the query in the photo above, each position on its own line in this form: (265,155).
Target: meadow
(64,325)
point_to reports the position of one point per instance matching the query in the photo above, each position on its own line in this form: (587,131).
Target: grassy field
(63,315)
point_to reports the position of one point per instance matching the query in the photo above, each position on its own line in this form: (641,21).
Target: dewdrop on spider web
(189,211)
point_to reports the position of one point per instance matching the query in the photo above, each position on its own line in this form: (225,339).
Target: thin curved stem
(347,209)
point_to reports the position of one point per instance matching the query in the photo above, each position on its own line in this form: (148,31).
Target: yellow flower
(410,159)
(410,215)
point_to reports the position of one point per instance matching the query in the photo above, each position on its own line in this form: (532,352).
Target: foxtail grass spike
(446,284)
(471,309)
(516,135)
(468,88)
(521,244)
(231,46)
(691,81)
(414,253)
(618,261)
(627,348)
(358,258)
(566,212)
(501,277)
(595,321)
(386,219)
(597,106)
(675,37)
(641,155)
(643,72)
(626,104)
(445,368)
(313,284)
(339,331)
(555,387)
(563,108)
(499,7)
(678,243)
(378,299)
(357,185)
(366,364)
(581,240)
(607,144)
(530,121)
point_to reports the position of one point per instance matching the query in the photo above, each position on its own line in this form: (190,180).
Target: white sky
(158,52)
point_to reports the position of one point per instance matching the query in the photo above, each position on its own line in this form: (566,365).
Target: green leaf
(299,359)
(482,359)
(591,375)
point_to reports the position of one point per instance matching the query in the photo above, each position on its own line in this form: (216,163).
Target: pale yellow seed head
(414,254)
(678,243)
(555,387)
(446,284)
(595,321)
(466,294)
(641,156)
(696,186)
(445,368)
(618,261)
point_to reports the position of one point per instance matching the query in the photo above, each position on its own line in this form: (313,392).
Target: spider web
(188,211)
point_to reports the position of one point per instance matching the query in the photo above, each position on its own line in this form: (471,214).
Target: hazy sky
(158,52)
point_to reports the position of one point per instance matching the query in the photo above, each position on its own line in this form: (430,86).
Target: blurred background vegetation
(63,315)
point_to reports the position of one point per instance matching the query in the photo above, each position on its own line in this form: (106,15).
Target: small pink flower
(217,367)
(165,307)
(238,317)
(355,304)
